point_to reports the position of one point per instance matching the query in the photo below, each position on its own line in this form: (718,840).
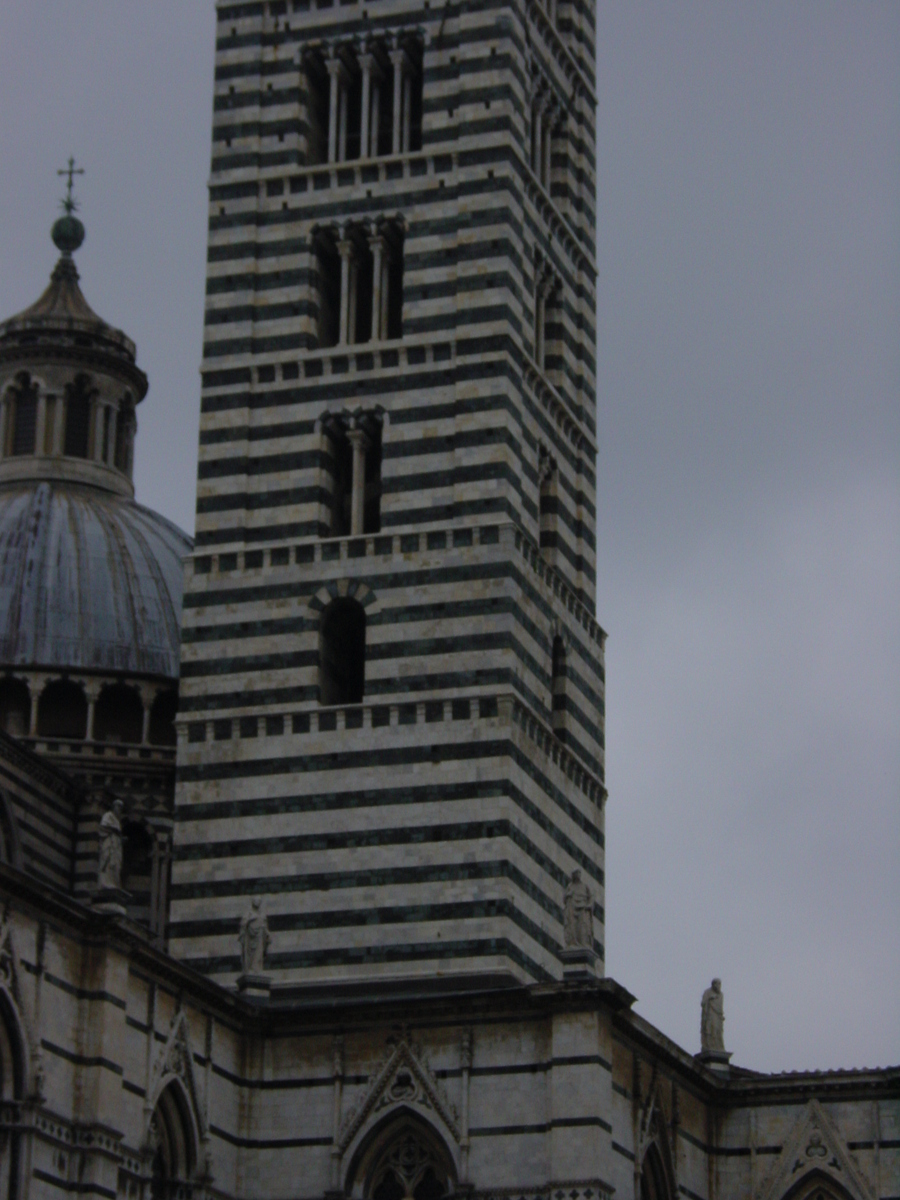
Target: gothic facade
(336,929)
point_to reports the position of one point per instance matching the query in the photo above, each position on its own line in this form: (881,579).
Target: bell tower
(391,714)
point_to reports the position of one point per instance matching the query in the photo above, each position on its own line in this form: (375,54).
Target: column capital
(92,688)
(357,437)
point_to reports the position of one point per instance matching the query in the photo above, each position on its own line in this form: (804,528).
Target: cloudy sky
(749,496)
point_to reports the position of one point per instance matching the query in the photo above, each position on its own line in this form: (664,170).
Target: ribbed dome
(88,581)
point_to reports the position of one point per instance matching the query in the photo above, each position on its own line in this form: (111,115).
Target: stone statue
(579,913)
(109,869)
(254,939)
(712,1019)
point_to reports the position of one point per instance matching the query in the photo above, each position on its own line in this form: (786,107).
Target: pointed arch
(174,1139)
(655,1183)
(403,1157)
(817,1185)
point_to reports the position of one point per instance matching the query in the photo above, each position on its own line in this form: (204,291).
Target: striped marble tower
(392,710)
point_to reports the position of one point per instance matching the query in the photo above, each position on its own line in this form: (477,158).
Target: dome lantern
(69,382)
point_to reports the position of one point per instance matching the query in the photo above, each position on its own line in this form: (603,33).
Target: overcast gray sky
(749,491)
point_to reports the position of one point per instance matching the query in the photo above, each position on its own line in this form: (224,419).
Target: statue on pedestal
(712,1020)
(254,939)
(109,867)
(579,913)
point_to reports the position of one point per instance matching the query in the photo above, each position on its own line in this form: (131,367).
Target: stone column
(92,688)
(385,259)
(407,114)
(148,695)
(35,686)
(546,148)
(397,57)
(366,63)
(59,425)
(111,436)
(345,249)
(129,444)
(376,118)
(334,80)
(465,1062)
(40,424)
(4,424)
(342,122)
(338,1073)
(354,298)
(539,307)
(96,445)
(376,243)
(360,444)
(536,136)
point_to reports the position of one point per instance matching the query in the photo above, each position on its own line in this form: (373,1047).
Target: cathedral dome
(88,581)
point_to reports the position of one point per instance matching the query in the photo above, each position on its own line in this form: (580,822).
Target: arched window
(328,275)
(654,1185)
(173,1142)
(137,869)
(404,1161)
(23,398)
(62,710)
(342,653)
(340,472)
(15,707)
(78,417)
(119,715)
(162,719)
(558,687)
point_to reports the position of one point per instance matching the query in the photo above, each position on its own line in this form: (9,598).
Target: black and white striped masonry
(392,687)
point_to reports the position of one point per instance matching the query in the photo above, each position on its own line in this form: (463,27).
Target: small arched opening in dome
(79,395)
(22,399)
(162,719)
(119,715)
(15,706)
(62,710)
(342,653)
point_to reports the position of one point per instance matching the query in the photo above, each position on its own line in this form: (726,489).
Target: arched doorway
(404,1160)
(173,1142)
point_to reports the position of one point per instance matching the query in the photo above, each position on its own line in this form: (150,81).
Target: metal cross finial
(69,204)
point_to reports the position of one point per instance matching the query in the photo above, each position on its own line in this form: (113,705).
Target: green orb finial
(68,231)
